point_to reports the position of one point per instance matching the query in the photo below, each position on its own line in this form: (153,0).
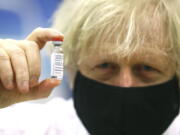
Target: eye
(105,70)
(146,72)
(105,65)
(145,68)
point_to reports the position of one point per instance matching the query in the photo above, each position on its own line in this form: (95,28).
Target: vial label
(57,65)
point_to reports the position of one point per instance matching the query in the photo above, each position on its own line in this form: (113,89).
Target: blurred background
(19,17)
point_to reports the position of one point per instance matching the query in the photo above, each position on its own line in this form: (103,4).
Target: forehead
(153,49)
(158,58)
(109,52)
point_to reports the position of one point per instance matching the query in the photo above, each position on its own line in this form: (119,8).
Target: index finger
(42,35)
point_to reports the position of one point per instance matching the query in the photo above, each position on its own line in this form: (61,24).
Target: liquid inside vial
(57,58)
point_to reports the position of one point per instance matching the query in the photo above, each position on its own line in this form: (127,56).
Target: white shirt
(57,117)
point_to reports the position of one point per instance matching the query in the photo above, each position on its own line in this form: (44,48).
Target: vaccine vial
(57,58)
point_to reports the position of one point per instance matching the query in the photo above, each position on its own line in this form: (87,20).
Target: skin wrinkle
(164,65)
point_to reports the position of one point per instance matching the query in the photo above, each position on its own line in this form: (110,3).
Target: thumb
(45,87)
(42,35)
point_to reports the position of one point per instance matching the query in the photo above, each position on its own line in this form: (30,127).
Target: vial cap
(58,39)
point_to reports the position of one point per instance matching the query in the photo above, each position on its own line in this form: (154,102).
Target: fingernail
(54,80)
(9,85)
(33,81)
(56,33)
(24,87)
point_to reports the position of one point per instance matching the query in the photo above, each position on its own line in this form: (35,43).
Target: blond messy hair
(128,24)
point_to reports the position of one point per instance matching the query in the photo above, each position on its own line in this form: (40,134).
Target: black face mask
(111,110)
